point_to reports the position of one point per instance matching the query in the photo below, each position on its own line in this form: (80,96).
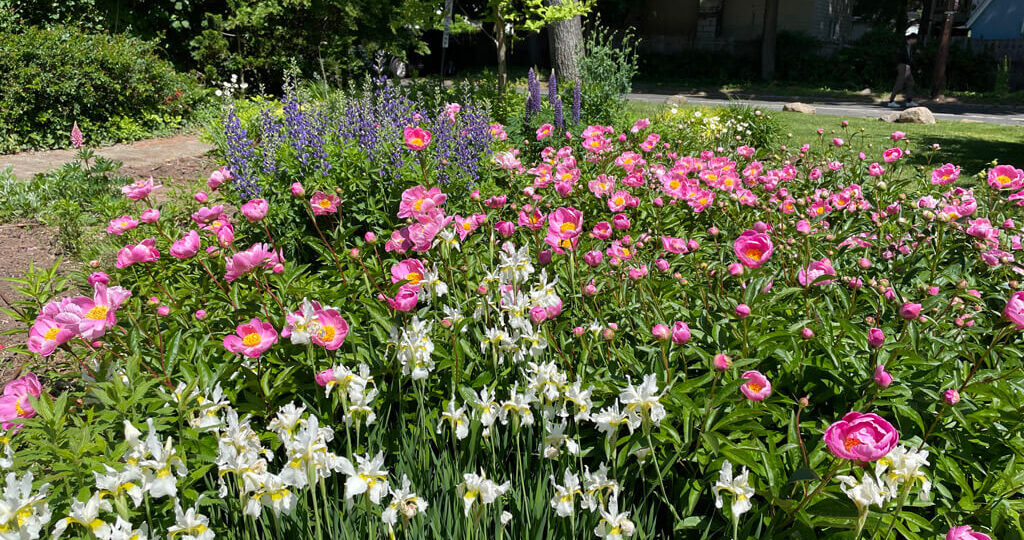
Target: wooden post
(939,74)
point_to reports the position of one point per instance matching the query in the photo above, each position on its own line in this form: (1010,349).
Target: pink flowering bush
(612,336)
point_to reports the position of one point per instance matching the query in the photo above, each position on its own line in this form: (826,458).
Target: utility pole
(939,74)
(768,39)
(444,37)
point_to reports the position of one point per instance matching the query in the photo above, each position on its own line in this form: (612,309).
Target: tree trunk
(566,40)
(501,42)
(939,73)
(768,39)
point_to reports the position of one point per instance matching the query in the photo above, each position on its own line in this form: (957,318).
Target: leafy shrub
(116,88)
(695,128)
(607,65)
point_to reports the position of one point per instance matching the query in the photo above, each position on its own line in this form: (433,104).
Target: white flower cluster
(892,473)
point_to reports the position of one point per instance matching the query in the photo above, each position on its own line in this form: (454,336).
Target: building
(997,19)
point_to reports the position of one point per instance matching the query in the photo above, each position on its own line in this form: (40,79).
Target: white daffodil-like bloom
(596,486)
(456,418)
(183,394)
(304,324)
(369,477)
(555,438)
(903,465)
(543,292)
(359,410)
(7,461)
(578,400)
(506,516)
(189,525)
(431,286)
(404,503)
(86,514)
(533,344)
(211,406)
(113,483)
(515,265)
(476,487)
(565,495)
(614,525)
(448,237)
(497,338)
(240,452)
(287,419)
(642,402)
(485,407)
(123,530)
(739,486)
(611,417)
(865,492)
(415,348)
(22,513)
(308,456)
(595,327)
(273,494)
(159,469)
(519,404)
(546,381)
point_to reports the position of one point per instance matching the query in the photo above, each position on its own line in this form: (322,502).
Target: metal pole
(444,38)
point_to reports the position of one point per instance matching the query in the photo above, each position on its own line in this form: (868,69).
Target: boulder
(799,107)
(889,117)
(916,115)
(677,99)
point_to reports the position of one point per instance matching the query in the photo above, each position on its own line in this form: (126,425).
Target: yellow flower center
(414,277)
(755,254)
(22,413)
(251,340)
(327,333)
(416,141)
(418,204)
(619,201)
(51,334)
(467,225)
(97,313)
(568,227)
(324,203)
(851,442)
(754,387)
(1003,179)
(674,184)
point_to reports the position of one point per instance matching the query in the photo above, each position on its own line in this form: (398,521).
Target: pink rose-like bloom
(897,135)
(186,247)
(15,402)
(420,203)
(416,138)
(946,174)
(297,190)
(1014,310)
(602,231)
(370,237)
(837,141)
(98,277)
(90,317)
(405,300)
(735,269)
(753,248)
(757,387)
(163,311)
(324,204)
(544,131)
(910,311)
(680,333)
(243,262)
(253,338)
(201,197)
(620,222)
(661,332)
(876,170)
(808,276)
(207,214)
(140,189)
(1005,177)
(565,223)
(330,329)
(150,215)
(121,225)
(409,270)
(143,252)
(861,437)
(255,210)
(807,333)
(742,311)
(46,335)
(876,337)
(892,154)
(882,377)
(721,362)
(951,396)
(505,228)
(201,314)
(594,258)
(964,532)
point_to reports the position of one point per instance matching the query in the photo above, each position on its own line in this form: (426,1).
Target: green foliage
(115,87)
(693,129)
(607,65)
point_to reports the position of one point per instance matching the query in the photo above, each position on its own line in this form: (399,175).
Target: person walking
(904,72)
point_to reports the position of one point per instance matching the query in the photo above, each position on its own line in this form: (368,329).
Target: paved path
(948,111)
(147,154)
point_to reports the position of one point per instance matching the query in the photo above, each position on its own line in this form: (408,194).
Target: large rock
(889,117)
(799,107)
(916,115)
(677,99)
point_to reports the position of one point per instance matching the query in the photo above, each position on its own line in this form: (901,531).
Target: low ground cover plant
(617,339)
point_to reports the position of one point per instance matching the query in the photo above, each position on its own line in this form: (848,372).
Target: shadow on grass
(971,153)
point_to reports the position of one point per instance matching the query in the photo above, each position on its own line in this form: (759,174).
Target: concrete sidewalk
(146,154)
(953,112)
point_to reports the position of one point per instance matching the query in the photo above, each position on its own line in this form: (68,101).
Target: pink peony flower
(661,332)
(544,131)
(809,276)
(150,215)
(892,154)
(419,203)
(876,337)
(882,377)
(142,252)
(91,317)
(218,177)
(255,210)
(98,277)
(910,311)
(186,247)
(324,204)
(742,311)
(1014,310)
(946,174)
(330,329)
(964,532)
(121,225)
(140,189)
(951,396)
(721,362)
(757,387)
(46,335)
(753,248)
(76,136)
(252,338)
(861,437)
(416,138)
(1005,177)
(297,189)
(201,197)
(15,402)
(680,333)
(411,271)
(405,300)
(206,215)
(243,262)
